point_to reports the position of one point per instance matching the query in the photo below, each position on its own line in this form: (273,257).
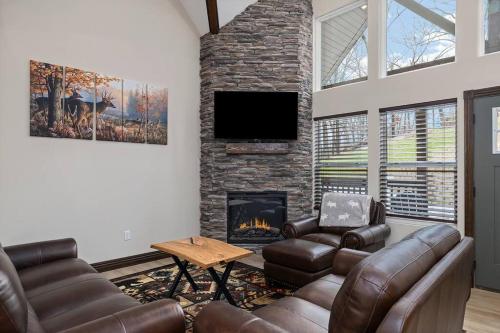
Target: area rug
(246,284)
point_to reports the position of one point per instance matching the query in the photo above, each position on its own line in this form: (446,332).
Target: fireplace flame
(256,223)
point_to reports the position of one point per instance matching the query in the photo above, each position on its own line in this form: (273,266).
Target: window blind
(418,161)
(341,154)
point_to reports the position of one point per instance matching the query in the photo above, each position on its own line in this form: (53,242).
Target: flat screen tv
(244,115)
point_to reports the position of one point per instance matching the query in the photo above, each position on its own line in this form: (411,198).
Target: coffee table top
(202,251)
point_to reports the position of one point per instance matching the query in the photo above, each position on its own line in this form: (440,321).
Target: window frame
(318,44)
(482,38)
(384,42)
(317,202)
(415,106)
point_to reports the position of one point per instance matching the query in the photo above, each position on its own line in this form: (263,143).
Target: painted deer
(83,117)
(72,103)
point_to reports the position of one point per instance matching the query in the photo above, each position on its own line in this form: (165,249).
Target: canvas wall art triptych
(73,103)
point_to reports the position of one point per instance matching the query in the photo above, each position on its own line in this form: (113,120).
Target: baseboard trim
(109,265)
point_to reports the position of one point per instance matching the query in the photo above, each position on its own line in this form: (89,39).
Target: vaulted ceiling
(227,10)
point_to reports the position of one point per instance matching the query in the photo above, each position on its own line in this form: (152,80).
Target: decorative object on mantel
(64,102)
(246,148)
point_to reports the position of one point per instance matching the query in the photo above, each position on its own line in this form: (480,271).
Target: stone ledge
(257,148)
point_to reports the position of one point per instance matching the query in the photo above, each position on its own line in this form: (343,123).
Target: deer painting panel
(157,128)
(134,111)
(67,102)
(46,100)
(78,106)
(109,108)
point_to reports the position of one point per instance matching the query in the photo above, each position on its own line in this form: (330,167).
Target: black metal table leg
(182,271)
(221,283)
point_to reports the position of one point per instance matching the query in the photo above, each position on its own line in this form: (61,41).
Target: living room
(249,166)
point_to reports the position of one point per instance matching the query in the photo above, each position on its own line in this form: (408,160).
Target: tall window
(418,161)
(420,33)
(492,25)
(341,154)
(344,55)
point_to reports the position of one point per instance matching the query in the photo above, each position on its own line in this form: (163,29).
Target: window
(496,130)
(418,161)
(341,154)
(420,33)
(344,55)
(492,25)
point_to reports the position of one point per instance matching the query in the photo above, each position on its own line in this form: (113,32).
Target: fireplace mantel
(249,148)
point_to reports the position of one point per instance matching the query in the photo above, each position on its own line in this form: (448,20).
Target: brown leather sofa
(308,251)
(45,288)
(419,285)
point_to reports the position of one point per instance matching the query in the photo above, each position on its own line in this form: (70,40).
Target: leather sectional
(45,288)
(418,285)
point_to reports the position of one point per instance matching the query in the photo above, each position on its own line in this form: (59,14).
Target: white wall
(93,191)
(472,70)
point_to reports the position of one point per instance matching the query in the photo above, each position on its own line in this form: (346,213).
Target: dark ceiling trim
(213,16)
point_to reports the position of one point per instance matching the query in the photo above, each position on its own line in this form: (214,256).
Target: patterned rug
(246,284)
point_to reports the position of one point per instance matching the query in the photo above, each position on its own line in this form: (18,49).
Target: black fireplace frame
(259,194)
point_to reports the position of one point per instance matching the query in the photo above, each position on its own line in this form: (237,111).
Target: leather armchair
(368,238)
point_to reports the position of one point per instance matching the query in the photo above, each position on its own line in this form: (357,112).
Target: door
(487,190)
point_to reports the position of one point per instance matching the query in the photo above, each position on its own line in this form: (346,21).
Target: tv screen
(255,115)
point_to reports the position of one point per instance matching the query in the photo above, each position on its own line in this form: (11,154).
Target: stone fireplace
(255,217)
(268,47)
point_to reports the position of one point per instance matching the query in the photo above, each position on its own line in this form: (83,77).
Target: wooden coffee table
(205,253)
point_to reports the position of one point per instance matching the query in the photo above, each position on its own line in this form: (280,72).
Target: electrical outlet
(127,235)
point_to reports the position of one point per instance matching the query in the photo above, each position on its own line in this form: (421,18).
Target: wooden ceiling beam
(213,16)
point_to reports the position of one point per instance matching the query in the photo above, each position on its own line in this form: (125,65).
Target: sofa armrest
(220,317)
(345,259)
(163,316)
(32,254)
(301,227)
(363,237)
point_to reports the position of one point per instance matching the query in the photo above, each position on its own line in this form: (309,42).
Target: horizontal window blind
(418,161)
(341,155)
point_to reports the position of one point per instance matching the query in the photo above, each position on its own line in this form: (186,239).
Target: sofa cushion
(293,314)
(13,304)
(56,298)
(323,238)
(40,275)
(88,311)
(321,292)
(300,254)
(376,283)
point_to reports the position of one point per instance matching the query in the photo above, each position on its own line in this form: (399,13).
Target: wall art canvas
(46,100)
(134,111)
(67,102)
(157,131)
(78,103)
(108,109)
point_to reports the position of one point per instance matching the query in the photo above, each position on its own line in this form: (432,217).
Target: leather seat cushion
(300,254)
(296,315)
(323,238)
(51,272)
(89,311)
(321,292)
(57,298)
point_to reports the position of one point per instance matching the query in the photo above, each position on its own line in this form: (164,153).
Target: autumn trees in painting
(157,115)
(46,110)
(69,103)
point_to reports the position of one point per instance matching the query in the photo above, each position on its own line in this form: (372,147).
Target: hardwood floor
(482,314)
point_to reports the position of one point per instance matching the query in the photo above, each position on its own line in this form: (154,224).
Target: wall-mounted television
(251,115)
